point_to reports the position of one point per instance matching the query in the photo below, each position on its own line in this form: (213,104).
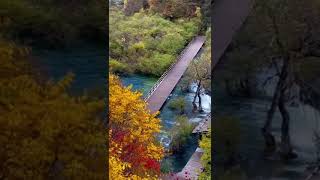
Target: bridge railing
(159,81)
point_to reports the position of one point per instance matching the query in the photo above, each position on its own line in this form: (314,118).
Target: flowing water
(167,116)
(90,69)
(251,113)
(87,63)
(177,161)
(139,82)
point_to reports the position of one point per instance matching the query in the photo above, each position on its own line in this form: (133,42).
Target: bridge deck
(191,171)
(162,92)
(193,167)
(203,125)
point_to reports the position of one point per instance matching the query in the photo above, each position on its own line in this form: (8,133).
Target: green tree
(199,72)
(178,104)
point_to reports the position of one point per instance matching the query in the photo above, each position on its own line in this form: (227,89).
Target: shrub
(166,166)
(190,28)
(146,41)
(136,50)
(171,43)
(206,159)
(180,133)
(178,104)
(156,64)
(117,66)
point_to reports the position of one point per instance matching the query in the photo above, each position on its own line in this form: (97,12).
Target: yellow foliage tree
(44,132)
(132,136)
(205,144)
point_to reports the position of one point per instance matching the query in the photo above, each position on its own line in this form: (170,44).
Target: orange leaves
(133,131)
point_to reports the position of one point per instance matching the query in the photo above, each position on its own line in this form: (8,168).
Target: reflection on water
(252,114)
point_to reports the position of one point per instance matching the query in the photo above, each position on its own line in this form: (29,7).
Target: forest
(53,24)
(46,131)
(49,132)
(148,41)
(145,38)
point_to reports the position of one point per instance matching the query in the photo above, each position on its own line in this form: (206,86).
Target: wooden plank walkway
(193,167)
(161,91)
(191,171)
(228,16)
(203,125)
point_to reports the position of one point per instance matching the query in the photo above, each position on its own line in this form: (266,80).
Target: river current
(89,64)
(251,114)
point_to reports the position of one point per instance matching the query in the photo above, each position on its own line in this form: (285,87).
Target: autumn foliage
(46,133)
(134,152)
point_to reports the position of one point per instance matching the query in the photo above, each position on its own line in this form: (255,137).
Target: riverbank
(175,161)
(88,65)
(251,114)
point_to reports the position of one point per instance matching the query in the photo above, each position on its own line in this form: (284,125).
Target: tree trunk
(194,101)
(197,94)
(270,143)
(286,148)
(200,105)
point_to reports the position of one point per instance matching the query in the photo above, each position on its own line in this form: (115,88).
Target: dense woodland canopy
(146,43)
(147,36)
(48,133)
(53,23)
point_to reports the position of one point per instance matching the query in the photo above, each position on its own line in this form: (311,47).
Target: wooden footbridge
(162,89)
(228,17)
